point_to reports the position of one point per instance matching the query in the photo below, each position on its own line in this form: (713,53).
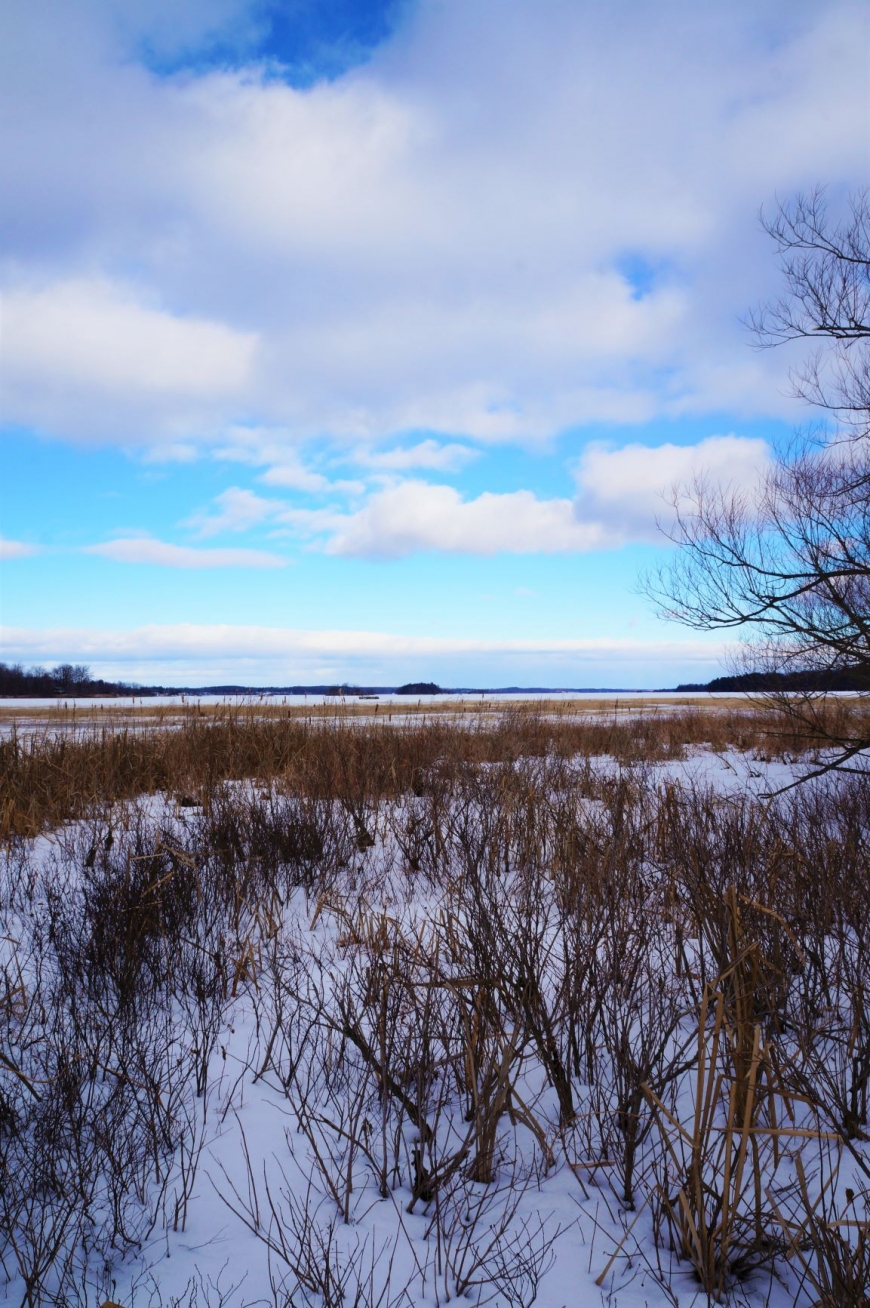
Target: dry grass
(661,987)
(49,774)
(94,712)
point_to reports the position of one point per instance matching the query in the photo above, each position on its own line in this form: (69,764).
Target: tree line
(64,679)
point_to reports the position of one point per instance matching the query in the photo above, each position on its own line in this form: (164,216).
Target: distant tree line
(813,681)
(75,679)
(65,679)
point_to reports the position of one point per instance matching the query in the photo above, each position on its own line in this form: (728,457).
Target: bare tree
(789,564)
(826,268)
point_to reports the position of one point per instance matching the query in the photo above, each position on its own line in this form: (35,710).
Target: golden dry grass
(50,772)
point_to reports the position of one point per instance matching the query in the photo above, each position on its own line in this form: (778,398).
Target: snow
(444,697)
(275,1161)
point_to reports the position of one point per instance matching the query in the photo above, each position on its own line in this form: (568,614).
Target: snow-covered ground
(296,1169)
(445,697)
(79,717)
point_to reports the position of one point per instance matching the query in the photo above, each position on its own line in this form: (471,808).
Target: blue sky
(360,341)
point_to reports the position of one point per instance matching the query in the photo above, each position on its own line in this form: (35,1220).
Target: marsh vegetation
(341,1012)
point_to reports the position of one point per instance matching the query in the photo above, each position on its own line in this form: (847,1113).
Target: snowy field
(446,698)
(76,717)
(556,1031)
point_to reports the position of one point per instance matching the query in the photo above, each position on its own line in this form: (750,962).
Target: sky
(362,340)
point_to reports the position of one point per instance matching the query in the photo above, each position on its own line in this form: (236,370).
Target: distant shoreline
(58,684)
(254,692)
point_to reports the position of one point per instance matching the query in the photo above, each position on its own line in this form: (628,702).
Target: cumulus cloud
(164,555)
(415,515)
(15,549)
(622,497)
(628,490)
(445,240)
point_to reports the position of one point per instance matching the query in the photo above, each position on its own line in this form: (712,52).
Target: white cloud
(195,654)
(415,515)
(429,454)
(217,639)
(162,554)
(95,333)
(91,346)
(292,475)
(15,549)
(622,497)
(627,490)
(275,449)
(238,510)
(442,240)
